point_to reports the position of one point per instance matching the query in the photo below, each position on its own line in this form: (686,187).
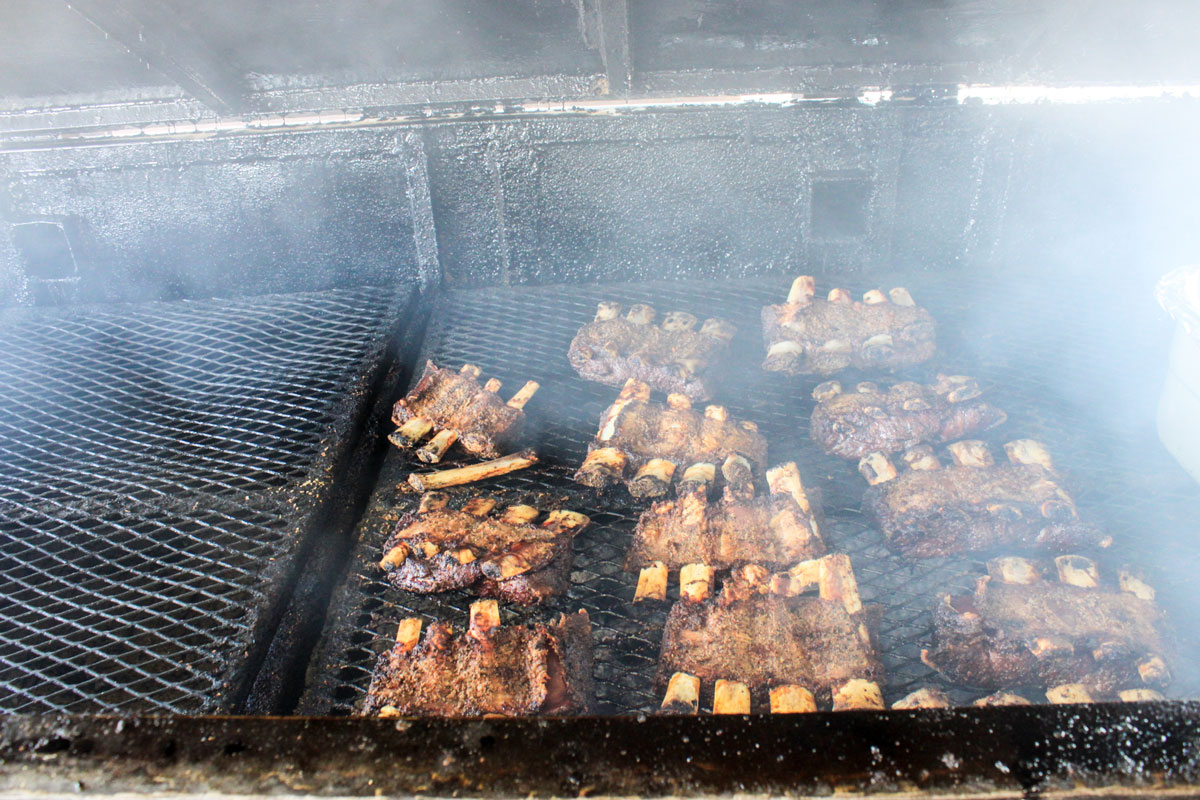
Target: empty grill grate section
(523,333)
(159,468)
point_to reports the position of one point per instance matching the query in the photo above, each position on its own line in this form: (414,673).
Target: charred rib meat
(456,408)
(1023,628)
(505,556)
(490,669)
(809,335)
(869,420)
(775,530)
(761,633)
(673,357)
(651,442)
(975,505)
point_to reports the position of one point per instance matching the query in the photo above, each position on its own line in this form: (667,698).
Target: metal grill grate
(157,463)
(517,334)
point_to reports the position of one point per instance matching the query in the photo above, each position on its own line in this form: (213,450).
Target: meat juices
(455,407)
(644,444)
(814,336)
(975,505)
(1070,633)
(760,634)
(673,357)
(489,669)
(505,556)
(776,530)
(869,419)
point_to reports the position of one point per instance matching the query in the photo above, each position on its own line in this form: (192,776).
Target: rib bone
(605,311)
(523,395)
(826,391)
(803,289)
(1135,586)
(408,633)
(602,466)
(1069,693)
(731,697)
(633,390)
(785,479)
(565,521)
(1078,571)
(411,432)
(652,583)
(695,582)
(876,468)
(785,347)
(923,698)
(700,473)
(836,582)
(493,385)
(519,514)
(653,478)
(679,321)
(921,457)
(1044,647)
(470,370)
(718,329)
(479,506)
(1138,695)
(1028,451)
(792,699)
(473,472)
(1012,569)
(874,297)
(839,296)
(436,447)
(485,616)
(971,453)
(395,557)
(901,297)
(1153,670)
(1002,699)
(679,401)
(683,694)
(857,693)
(641,314)
(433,501)
(737,470)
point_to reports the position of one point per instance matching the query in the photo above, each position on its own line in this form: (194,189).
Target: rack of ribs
(489,669)
(975,505)
(506,556)
(1073,634)
(673,357)
(455,407)
(809,335)
(696,536)
(869,419)
(645,444)
(762,634)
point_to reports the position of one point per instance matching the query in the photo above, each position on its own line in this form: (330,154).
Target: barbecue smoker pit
(232,236)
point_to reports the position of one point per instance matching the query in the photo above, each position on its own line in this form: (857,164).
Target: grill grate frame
(160,467)
(1120,477)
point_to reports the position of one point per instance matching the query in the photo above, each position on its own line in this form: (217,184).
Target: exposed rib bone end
(1153,671)
(469,371)
(836,582)
(826,391)
(1028,451)
(679,321)
(641,314)
(1139,695)
(524,395)
(564,521)
(411,433)
(874,297)
(804,288)
(1135,586)
(971,453)
(839,296)
(395,557)
(493,385)
(717,413)
(607,311)
(901,297)
(603,466)
(652,583)
(479,506)
(921,457)
(1002,699)
(857,693)
(408,633)
(1012,569)
(433,501)
(485,617)
(867,387)
(783,352)
(1047,647)
(683,694)
(700,474)
(737,470)
(731,697)
(792,699)
(473,472)
(653,479)
(876,468)
(785,479)
(878,346)
(718,329)
(957,388)
(1078,571)
(680,402)
(695,582)
(797,580)
(436,447)
(923,698)
(519,515)
(1069,693)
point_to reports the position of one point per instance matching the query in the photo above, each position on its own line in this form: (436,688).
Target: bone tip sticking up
(652,583)
(731,697)
(524,395)
(802,290)
(682,695)
(792,699)
(876,468)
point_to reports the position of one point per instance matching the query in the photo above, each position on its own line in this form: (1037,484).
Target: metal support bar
(150,33)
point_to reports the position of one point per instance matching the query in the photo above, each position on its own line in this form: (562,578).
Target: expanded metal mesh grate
(523,333)
(156,466)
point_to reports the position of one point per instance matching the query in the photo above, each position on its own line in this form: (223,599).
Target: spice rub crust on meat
(671,357)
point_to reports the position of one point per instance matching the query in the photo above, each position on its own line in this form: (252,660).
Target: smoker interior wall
(1099,196)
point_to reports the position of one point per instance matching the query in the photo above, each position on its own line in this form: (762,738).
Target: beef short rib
(673,357)
(489,669)
(775,530)
(455,407)
(869,419)
(974,505)
(644,444)
(809,335)
(506,556)
(762,633)
(1022,628)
